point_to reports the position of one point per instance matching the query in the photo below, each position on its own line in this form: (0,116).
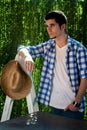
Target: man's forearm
(23,52)
(82,90)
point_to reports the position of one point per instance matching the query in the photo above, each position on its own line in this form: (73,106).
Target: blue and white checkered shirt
(76,62)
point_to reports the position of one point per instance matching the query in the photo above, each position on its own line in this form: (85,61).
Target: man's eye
(52,25)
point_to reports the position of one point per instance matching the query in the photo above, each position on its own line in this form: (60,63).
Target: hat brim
(9,79)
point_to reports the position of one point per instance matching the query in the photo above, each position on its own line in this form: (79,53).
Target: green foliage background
(22,22)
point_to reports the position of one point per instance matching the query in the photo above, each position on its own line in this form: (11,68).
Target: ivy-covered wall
(22,22)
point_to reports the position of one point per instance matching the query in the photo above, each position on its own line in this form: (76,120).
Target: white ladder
(31,104)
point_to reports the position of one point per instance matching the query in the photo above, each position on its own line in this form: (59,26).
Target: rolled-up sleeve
(82,62)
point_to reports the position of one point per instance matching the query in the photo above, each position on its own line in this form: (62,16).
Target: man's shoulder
(75,43)
(48,44)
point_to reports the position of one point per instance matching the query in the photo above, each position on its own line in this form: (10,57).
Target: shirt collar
(70,42)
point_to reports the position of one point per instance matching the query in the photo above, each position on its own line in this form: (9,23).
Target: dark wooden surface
(45,121)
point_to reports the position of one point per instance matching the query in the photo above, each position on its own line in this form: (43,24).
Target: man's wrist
(76,104)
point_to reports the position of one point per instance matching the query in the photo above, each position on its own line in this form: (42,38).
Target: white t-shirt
(62,94)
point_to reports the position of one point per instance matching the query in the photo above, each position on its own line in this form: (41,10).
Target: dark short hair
(59,17)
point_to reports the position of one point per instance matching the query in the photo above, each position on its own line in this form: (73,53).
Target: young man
(64,73)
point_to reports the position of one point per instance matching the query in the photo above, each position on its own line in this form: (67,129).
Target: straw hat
(14,81)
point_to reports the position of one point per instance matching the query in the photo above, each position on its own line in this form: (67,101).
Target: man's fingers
(29,66)
(66,108)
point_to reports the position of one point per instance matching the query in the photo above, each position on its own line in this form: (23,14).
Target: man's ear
(63,27)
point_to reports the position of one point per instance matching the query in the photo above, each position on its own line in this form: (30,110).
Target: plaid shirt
(76,63)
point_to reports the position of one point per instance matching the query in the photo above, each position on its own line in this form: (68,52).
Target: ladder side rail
(7,109)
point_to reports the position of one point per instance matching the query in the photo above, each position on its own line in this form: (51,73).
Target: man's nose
(49,28)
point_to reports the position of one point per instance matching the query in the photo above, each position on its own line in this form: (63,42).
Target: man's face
(53,28)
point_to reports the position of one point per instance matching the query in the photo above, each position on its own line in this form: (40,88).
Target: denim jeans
(68,113)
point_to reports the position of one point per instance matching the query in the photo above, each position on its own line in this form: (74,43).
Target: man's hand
(71,107)
(28,61)
(29,64)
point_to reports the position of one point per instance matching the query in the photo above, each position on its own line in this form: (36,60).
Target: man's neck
(61,41)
